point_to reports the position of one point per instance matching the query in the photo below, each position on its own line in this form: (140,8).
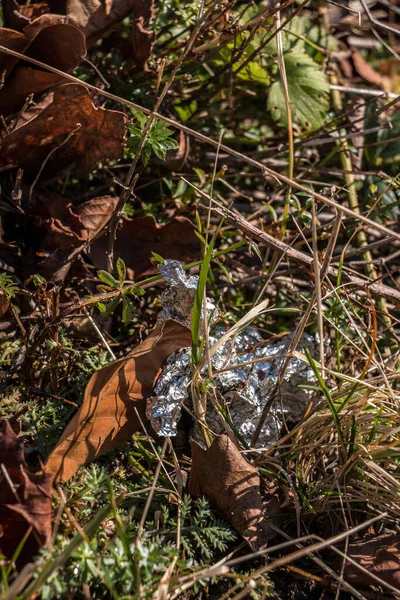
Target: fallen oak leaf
(107,417)
(47,39)
(138,238)
(18,16)
(380,556)
(97,134)
(69,230)
(232,486)
(25,499)
(69,226)
(94,17)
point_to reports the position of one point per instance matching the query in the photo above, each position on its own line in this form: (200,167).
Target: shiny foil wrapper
(245,373)
(178,296)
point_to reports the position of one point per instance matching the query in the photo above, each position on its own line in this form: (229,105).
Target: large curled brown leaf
(28,504)
(380,556)
(94,17)
(48,39)
(95,134)
(68,230)
(232,486)
(107,417)
(138,238)
(69,226)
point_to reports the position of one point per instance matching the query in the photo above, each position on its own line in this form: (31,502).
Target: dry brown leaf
(232,486)
(68,230)
(364,69)
(107,417)
(390,71)
(69,226)
(380,556)
(95,134)
(94,17)
(3,304)
(47,39)
(17,16)
(138,238)
(27,503)
(175,159)
(142,38)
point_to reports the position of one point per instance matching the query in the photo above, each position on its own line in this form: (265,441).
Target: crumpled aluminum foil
(245,372)
(178,296)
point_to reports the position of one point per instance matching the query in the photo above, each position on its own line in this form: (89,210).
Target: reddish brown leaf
(68,226)
(364,69)
(107,417)
(69,230)
(18,17)
(138,238)
(3,303)
(143,41)
(142,38)
(94,17)
(95,134)
(176,158)
(25,498)
(232,486)
(380,556)
(47,39)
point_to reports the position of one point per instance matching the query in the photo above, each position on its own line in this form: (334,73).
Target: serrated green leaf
(308,92)
(253,71)
(108,279)
(121,268)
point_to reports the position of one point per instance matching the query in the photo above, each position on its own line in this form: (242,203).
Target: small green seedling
(158,141)
(107,307)
(7,286)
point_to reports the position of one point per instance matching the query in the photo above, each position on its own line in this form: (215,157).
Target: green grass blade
(198,301)
(328,397)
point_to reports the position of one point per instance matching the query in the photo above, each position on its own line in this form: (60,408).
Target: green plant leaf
(198,301)
(141,117)
(146,153)
(128,311)
(121,268)
(108,279)
(156,258)
(101,307)
(308,92)
(111,307)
